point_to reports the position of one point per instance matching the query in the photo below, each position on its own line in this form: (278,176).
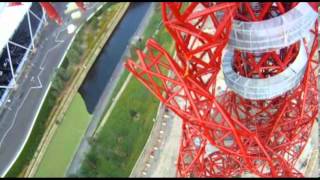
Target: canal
(101,71)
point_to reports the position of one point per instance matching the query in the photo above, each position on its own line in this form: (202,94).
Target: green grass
(155,23)
(64,144)
(121,140)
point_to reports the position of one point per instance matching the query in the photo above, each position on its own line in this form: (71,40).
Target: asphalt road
(18,117)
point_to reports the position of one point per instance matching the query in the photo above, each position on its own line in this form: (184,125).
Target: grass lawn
(120,142)
(64,144)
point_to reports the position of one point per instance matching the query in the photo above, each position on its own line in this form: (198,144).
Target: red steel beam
(264,137)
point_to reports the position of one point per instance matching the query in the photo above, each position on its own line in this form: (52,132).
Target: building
(20,27)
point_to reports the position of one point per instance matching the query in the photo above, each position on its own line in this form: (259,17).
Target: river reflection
(101,71)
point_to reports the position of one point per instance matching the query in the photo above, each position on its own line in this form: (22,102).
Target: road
(104,99)
(18,117)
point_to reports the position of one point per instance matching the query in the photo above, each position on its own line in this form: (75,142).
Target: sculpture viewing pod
(227,134)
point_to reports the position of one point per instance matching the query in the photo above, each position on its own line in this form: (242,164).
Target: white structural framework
(265,36)
(26,20)
(274,33)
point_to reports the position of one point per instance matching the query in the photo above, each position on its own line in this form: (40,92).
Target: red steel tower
(260,123)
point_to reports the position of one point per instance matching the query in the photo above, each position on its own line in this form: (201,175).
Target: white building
(20,25)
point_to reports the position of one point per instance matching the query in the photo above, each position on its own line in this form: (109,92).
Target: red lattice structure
(270,63)
(224,134)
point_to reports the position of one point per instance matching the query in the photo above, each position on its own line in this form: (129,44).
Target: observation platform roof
(10,18)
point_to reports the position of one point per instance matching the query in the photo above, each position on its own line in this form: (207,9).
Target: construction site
(159,89)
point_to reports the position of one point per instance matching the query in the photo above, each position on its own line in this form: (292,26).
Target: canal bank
(110,85)
(128,120)
(111,55)
(67,137)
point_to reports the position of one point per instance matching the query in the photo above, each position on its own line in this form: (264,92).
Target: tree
(64,74)
(57,84)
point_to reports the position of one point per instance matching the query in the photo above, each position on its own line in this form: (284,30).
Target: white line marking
(59,42)
(39,86)
(41,67)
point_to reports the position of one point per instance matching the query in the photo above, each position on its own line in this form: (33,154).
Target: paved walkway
(159,156)
(165,163)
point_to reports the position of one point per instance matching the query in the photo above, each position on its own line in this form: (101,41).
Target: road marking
(50,49)
(41,67)
(33,87)
(29,91)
